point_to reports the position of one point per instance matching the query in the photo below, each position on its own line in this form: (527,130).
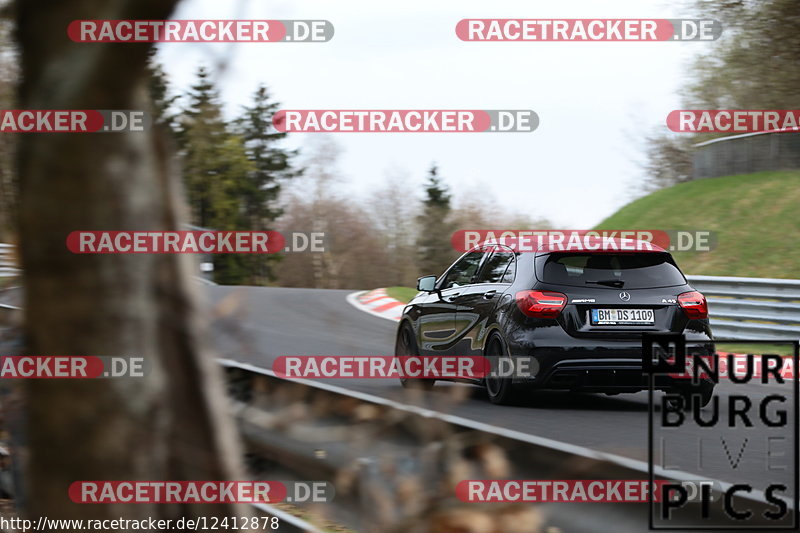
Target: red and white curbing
(377,302)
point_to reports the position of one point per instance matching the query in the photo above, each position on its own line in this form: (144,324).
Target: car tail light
(694,304)
(541,304)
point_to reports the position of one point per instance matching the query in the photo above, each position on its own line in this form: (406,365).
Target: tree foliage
(752,66)
(162,102)
(233,170)
(272,166)
(434,250)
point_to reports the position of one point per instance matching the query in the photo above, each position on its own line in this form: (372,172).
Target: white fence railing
(751,308)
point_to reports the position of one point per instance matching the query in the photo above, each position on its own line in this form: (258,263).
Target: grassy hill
(756,218)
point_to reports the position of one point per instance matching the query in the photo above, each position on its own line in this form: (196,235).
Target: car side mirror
(426,283)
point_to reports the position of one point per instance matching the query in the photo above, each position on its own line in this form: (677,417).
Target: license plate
(615,317)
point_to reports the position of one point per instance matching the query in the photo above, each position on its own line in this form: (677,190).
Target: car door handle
(451,297)
(489,295)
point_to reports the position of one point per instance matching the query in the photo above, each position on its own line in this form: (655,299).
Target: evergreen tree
(272,165)
(161,101)
(272,162)
(434,251)
(215,169)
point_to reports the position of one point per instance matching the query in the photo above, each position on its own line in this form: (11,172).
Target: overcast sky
(595,100)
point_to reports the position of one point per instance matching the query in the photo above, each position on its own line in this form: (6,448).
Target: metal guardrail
(752,308)
(8,268)
(747,153)
(421,442)
(8,265)
(9,314)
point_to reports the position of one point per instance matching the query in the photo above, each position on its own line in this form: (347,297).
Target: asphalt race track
(256,325)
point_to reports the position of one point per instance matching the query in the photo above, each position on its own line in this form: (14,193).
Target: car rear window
(633,270)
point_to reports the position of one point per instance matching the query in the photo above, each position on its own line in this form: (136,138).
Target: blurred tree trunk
(172,423)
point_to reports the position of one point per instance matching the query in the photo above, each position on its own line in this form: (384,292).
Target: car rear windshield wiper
(610,282)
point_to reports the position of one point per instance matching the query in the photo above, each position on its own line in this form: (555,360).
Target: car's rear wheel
(703,394)
(501,390)
(406,345)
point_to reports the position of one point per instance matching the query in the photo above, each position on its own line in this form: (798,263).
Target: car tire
(704,391)
(406,345)
(501,390)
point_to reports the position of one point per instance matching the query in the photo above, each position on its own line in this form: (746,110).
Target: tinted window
(495,267)
(463,270)
(636,271)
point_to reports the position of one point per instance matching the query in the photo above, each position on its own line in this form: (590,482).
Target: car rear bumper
(604,376)
(592,366)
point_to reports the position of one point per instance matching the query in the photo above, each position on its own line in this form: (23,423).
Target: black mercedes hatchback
(578,316)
